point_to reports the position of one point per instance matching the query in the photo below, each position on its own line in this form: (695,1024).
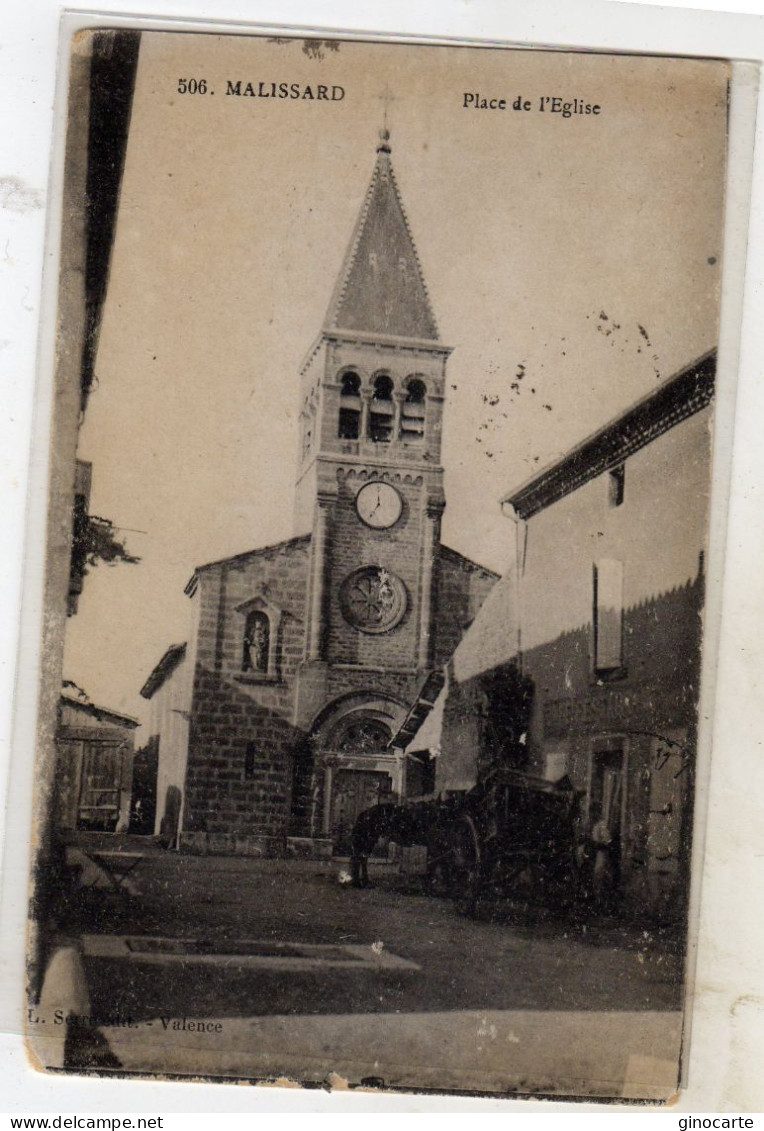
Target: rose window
(373,599)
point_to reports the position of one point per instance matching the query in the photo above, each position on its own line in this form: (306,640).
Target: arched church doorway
(355,766)
(353,790)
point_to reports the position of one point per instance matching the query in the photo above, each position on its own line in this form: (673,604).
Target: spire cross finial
(386,97)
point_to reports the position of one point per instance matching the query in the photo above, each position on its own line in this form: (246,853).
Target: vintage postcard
(379,523)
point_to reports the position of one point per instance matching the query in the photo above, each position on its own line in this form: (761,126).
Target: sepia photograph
(379,513)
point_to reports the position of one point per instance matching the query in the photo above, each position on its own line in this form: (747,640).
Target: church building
(273,721)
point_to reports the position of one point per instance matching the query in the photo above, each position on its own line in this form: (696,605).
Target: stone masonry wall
(242,742)
(353,545)
(461,587)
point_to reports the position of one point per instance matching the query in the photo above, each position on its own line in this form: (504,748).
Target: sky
(582,253)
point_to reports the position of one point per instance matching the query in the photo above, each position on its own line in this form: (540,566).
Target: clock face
(379,505)
(373,599)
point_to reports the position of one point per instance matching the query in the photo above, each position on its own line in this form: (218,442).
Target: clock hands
(378,504)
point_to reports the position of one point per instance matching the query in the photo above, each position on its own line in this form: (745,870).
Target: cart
(512,834)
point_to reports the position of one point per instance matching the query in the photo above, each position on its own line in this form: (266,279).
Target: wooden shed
(95,764)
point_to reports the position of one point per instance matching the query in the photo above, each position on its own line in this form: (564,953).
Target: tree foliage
(96,540)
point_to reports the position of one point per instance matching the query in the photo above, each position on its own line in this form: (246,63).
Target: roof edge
(448,552)
(434,345)
(190,588)
(677,399)
(166,666)
(94,709)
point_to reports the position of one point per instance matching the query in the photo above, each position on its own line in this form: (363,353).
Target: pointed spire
(381,289)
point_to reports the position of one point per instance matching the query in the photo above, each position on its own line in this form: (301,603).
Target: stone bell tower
(311,653)
(370,482)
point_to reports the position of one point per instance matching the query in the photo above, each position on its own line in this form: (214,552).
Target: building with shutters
(585,658)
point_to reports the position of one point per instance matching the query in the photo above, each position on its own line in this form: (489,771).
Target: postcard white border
(725,1060)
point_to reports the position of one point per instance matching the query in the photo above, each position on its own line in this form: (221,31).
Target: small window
(608,618)
(249,761)
(381,414)
(349,427)
(413,411)
(257,641)
(616,485)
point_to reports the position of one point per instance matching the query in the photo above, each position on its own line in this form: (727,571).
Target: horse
(406,825)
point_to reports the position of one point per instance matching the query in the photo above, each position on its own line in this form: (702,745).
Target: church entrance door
(355,768)
(353,791)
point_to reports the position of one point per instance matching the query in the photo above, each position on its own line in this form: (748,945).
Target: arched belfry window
(257,643)
(382,412)
(413,410)
(349,426)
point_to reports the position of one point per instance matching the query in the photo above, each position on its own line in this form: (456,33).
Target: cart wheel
(468,867)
